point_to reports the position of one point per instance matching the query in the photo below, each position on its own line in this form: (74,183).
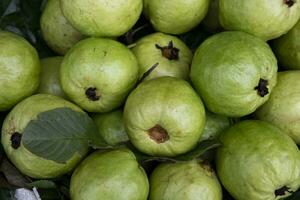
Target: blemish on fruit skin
(290,3)
(92,94)
(282,191)
(158,134)
(16,140)
(262,89)
(170,52)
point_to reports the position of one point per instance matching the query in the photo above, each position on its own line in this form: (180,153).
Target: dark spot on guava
(290,3)
(105,53)
(170,52)
(15,140)
(262,88)
(282,191)
(158,134)
(92,94)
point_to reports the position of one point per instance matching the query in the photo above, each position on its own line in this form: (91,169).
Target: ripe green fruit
(177,16)
(109,175)
(97,74)
(102,18)
(262,18)
(111,127)
(287,48)
(282,109)
(188,180)
(19,70)
(56,30)
(258,162)
(234,73)
(13,127)
(171,54)
(164,117)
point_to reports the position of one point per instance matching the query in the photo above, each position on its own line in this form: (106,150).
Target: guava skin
(177,16)
(262,18)
(17,120)
(283,109)
(109,175)
(188,180)
(234,73)
(19,68)
(102,18)
(97,74)
(164,117)
(59,34)
(257,161)
(111,127)
(287,48)
(148,54)
(49,83)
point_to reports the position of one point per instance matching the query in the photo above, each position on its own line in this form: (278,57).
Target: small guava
(102,18)
(234,73)
(287,48)
(211,21)
(169,52)
(263,18)
(11,138)
(109,175)
(97,74)
(257,161)
(184,180)
(111,127)
(59,34)
(164,117)
(177,16)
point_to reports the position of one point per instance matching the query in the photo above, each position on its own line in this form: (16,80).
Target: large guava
(234,73)
(164,117)
(19,70)
(11,138)
(177,16)
(56,30)
(263,18)
(187,180)
(257,161)
(102,18)
(109,175)
(170,53)
(97,74)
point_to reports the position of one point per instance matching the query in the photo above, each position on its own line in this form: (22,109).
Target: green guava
(109,175)
(234,72)
(211,20)
(164,117)
(287,48)
(49,83)
(177,16)
(171,54)
(258,162)
(12,129)
(19,69)
(111,127)
(97,74)
(282,109)
(188,180)
(56,30)
(102,18)
(263,18)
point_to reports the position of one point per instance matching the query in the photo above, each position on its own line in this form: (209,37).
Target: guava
(287,48)
(109,175)
(19,70)
(164,117)
(187,180)
(257,161)
(111,127)
(102,18)
(97,74)
(262,18)
(170,53)
(177,16)
(59,34)
(49,83)
(234,73)
(211,20)
(13,127)
(283,109)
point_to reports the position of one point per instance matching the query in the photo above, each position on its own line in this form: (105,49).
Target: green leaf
(58,134)
(44,184)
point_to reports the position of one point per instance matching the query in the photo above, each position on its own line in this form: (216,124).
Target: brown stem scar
(282,191)
(92,94)
(16,140)
(290,3)
(158,134)
(262,88)
(170,52)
